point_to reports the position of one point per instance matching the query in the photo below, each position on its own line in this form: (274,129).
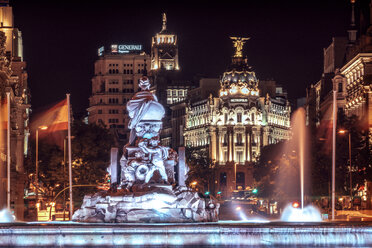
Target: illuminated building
(164,49)
(359,88)
(13,80)
(116,75)
(176,93)
(347,63)
(319,97)
(235,124)
(357,71)
(169,88)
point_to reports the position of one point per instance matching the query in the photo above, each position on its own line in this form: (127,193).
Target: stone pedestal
(150,204)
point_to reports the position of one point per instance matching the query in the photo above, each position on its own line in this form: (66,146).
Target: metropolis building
(235,125)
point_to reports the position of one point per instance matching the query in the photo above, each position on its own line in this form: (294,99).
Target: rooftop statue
(238,44)
(147,190)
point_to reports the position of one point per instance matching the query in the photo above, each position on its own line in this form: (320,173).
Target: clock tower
(164,50)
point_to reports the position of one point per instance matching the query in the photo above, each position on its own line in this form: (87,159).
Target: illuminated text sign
(125,48)
(239,100)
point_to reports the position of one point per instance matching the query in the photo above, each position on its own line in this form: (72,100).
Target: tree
(51,175)
(91,146)
(90,155)
(277,172)
(321,164)
(361,160)
(201,167)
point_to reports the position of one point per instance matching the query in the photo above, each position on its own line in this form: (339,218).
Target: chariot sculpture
(144,188)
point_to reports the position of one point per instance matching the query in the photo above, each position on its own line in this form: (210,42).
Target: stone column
(232,144)
(258,148)
(217,145)
(212,140)
(228,144)
(250,144)
(246,145)
(265,136)
(182,170)
(114,165)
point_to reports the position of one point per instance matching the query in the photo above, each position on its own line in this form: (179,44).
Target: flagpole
(8,149)
(334,153)
(69,155)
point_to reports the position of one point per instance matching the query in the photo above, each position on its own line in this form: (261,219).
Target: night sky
(61,39)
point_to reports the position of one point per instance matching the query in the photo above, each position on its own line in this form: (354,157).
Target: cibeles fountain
(144,187)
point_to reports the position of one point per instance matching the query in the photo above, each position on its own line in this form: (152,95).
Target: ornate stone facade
(13,79)
(356,75)
(235,125)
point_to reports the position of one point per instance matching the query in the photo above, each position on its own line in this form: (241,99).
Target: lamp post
(342,131)
(235,174)
(37,161)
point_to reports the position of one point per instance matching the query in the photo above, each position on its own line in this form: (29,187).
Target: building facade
(116,75)
(347,70)
(358,73)
(236,124)
(164,49)
(13,81)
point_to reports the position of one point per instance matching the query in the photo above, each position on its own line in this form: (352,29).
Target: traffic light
(255,191)
(206,193)
(219,192)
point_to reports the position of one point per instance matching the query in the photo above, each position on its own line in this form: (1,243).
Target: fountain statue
(145,188)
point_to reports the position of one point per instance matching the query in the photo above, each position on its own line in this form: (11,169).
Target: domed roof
(239,79)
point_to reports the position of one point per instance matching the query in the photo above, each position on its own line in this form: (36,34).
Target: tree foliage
(278,168)
(201,167)
(277,172)
(91,146)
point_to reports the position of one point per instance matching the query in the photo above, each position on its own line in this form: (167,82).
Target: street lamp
(342,131)
(235,174)
(37,161)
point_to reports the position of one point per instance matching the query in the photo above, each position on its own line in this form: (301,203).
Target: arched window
(239,117)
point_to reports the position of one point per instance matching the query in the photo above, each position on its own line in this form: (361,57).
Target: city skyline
(61,51)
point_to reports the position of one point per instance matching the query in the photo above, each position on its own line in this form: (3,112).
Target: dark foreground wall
(223,234)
